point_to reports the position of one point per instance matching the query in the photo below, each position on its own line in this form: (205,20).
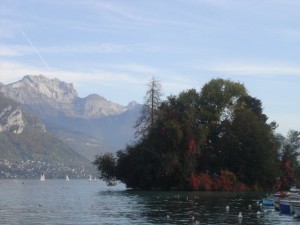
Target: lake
(83,202)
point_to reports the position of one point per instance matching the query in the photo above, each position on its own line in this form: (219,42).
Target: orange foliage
(201,182)
(225,182)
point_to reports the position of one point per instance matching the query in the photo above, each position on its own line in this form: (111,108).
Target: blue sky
(114,47)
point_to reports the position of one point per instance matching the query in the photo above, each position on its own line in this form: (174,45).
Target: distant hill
(89,125)
(23,137)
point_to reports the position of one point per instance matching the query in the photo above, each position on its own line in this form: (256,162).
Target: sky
(114,47)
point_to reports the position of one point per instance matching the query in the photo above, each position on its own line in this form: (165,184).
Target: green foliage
(253,152)
(139,166)
(106,165)
(290,165)
(215,139)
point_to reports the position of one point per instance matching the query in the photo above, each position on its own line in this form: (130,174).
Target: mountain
(89,125)
(24,138)
(54,96)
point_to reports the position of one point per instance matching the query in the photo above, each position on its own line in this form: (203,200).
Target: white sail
(67,178)
(42,177)
(90,178)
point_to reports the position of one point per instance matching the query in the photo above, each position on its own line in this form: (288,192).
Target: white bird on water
(227,208)
(240,216)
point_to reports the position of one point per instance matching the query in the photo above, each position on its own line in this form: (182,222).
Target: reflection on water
(83,202)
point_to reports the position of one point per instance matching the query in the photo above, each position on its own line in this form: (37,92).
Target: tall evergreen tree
(152,100)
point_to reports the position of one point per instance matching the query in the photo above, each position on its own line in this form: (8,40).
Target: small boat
(277,198)
(295,189)
(67,178)
(42,178)
(268,201)
(294,199)
(297,210)
(90,178)
(284,206)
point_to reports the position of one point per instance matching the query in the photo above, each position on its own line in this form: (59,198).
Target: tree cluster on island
(216,139)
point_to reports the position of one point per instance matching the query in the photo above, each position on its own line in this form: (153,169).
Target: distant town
(34,169)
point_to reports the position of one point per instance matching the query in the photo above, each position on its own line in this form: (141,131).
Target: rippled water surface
(83,202)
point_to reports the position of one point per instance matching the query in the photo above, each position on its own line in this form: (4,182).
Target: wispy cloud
(88,48)
(34,48)
(7,51)
(78,48)
(252,68)
(137,16)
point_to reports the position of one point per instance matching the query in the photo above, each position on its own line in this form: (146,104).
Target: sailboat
(67,178)
(42,177)
(90,178)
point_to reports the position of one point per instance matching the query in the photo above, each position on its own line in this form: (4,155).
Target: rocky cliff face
(36,89)
(40,92)
(11,120)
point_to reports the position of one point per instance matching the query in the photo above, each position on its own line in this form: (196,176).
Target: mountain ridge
(89,125)
(61,96)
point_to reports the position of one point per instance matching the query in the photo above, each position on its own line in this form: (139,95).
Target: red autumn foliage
(195,182)
(241,187)
(288,177)
(277,185)
(288,168)
(201,182)
(192,146)
(226,181)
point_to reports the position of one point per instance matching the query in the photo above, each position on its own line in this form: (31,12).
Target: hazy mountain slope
(83,144)
(23,137)
(94,136)
(89,125)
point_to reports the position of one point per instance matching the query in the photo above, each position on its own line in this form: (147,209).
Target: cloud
(8,51)
(77,48)
(87,48)
(253,68)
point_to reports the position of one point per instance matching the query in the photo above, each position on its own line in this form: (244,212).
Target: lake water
(83,202)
